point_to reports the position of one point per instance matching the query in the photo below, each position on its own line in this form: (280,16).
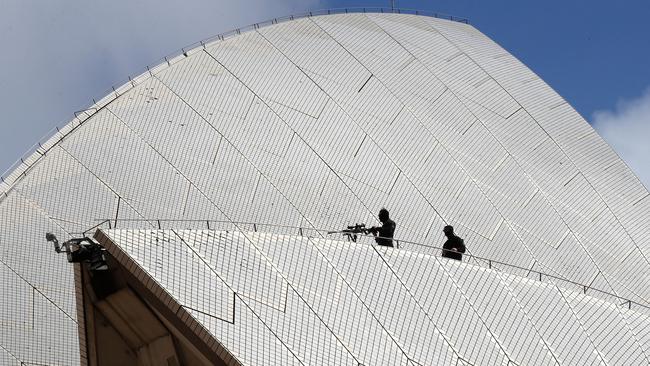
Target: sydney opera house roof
(213,178)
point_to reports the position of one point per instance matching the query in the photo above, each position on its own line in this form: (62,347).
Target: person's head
(383,215)
(448,230)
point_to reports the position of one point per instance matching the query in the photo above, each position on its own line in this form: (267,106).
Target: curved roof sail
(316,123)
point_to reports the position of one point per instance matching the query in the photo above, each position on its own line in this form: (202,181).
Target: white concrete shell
(317,123)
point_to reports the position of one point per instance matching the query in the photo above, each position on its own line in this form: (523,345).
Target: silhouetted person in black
(384,233)
(454,247)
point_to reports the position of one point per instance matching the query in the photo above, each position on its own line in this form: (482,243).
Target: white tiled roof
(312,301)
(317,123)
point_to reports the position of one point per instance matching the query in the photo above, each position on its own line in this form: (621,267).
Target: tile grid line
(42,212)
(20,194)
(295,290)
(101,181)
(351,118)
(223,137)
(421,308)
(358,297)
(12,355)
(238,296)
(458,287)
(440,143)
(582,326)
(559,147)
(176,169)
(294,131)
(508,223)
(462,293)
(509,153)
(544,194)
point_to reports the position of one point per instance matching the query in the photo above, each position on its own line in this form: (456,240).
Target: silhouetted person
(384,233)
(454,247)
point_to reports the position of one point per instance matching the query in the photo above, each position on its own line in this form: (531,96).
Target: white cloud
(627,130)
(58,55)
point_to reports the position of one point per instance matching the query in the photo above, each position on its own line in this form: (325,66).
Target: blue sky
(591,52)
(57,55)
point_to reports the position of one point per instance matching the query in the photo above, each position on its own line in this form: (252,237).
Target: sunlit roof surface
(281,300)
(317,123)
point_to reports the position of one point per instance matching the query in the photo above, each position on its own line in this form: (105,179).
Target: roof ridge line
(33,155)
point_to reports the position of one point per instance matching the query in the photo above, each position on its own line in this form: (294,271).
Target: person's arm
(446,248)
(458,245)
(373,230)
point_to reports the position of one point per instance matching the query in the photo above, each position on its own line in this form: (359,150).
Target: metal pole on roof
(392,5)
